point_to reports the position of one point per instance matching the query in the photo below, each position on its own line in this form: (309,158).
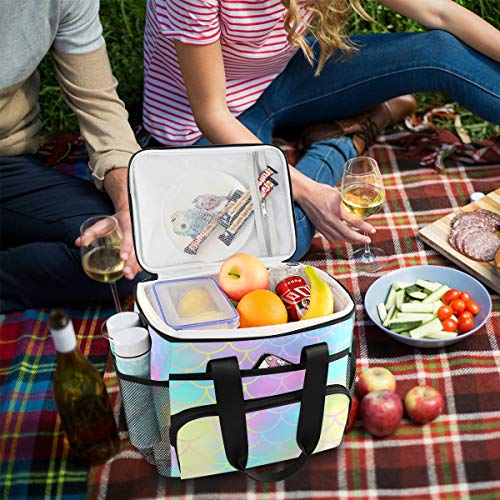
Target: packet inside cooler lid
(194,207)
(194,303)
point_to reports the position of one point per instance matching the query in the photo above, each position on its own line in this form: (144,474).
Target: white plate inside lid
(192,204)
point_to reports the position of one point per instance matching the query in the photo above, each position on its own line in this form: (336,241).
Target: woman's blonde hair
(330,18)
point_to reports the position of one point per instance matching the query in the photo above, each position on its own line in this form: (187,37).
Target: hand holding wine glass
(363,194)
(101,239)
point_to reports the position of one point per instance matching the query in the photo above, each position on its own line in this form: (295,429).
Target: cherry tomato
(458,306)
(449,325)
(465,324)
(444,312)
(450,295)
(465,296)
(464,315)
(473,307)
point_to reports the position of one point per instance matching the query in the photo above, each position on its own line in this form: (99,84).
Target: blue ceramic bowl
(379,290)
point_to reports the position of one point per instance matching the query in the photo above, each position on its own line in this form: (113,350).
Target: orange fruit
(261,308)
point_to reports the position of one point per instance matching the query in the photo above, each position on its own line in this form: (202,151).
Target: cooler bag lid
(193,207)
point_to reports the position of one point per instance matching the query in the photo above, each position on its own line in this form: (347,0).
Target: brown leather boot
(364,127)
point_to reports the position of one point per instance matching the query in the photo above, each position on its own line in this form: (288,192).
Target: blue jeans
(41,211)
(385,66)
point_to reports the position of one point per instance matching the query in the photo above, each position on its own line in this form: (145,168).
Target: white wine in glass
(363,194)
(100,249)
(103,264)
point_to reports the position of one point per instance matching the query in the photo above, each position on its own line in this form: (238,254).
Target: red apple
(352,413)
(381,412)
(376,379)
(242,273)
(423,404)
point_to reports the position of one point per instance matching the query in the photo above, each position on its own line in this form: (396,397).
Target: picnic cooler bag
(213,403)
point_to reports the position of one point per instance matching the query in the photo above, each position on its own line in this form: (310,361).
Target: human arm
(204,78)
(450,16)
(89,88)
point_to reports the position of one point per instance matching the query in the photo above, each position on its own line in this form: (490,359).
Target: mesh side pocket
(162,450)
(147,413)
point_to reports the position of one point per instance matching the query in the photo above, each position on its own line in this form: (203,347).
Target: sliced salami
(473,219)
(457,218)
(489,213)
(490,216)
(481,246)
(474,234)
(464,234)
(452,237)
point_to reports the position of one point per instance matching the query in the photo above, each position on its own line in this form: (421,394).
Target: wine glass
(101,239)
(363,194)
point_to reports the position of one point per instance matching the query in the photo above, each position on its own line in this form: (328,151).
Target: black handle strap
(352,366)
(230,403)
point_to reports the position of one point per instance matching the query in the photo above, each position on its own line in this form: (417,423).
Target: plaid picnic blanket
(457,456)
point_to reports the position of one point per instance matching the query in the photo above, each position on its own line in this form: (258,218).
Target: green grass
(123,23)
(389,21)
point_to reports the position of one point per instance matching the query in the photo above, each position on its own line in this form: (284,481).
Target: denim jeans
(385,66)
(41,211)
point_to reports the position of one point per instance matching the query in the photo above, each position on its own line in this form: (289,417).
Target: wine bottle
(81,397)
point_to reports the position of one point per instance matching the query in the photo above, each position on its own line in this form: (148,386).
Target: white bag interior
(165,183)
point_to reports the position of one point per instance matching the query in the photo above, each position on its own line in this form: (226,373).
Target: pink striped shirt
(254,49)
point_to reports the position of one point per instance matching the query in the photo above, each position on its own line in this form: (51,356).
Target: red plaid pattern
(457,456)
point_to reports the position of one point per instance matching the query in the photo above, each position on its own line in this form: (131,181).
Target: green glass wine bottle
(81,397)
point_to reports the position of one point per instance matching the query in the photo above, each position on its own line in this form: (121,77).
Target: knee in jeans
(443,47)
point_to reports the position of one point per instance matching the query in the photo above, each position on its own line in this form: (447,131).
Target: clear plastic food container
(194,303)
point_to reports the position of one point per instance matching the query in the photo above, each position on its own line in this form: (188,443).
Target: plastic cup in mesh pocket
(117,322)
(132,353)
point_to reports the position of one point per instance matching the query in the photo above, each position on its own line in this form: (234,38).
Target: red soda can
(295,294)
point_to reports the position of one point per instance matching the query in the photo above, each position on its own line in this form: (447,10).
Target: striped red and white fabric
(254,49)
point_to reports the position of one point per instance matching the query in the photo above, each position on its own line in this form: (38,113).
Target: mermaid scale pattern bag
(226,398)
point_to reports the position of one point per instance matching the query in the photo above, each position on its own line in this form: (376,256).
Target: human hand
(322,205)
(115,183)
(127,252)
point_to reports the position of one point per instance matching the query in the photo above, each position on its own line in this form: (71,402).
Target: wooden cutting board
(436,236)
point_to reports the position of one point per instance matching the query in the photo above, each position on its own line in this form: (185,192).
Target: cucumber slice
(413,288)
(382,312)
(436,295)
(429,285)
(418,295)
(390,314)
(400,297)
(423,317)
(418,307)
(442,335)
(400,285)
(398,325)
(391,299)
(436,306)
(428,328)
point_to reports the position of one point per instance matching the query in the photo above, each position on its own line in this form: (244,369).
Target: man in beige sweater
(41,210)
